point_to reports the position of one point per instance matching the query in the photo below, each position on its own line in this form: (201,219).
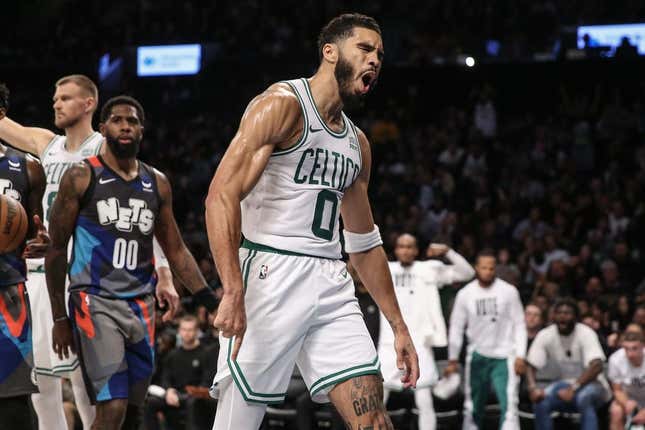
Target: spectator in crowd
(575,350)
(627,376)
(185,366)
(534,319)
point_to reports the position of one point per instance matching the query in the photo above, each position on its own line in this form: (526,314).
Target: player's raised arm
(273,119)
(63,217)
(28,139)
(363,243)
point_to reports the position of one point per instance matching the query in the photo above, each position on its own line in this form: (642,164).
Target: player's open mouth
(367,79)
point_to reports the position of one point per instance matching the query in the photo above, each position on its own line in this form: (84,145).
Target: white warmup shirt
(493,318)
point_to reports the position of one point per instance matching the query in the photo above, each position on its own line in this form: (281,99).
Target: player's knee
(616,411)
(112,411)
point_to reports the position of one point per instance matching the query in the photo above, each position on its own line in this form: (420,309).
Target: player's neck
(326,95)
(127,168)
(77,134)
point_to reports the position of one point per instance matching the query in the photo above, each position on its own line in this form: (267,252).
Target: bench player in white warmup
(417,284)
(74,102)
(490,312)
(287,295)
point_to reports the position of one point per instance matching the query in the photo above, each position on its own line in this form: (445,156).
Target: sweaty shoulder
(277,112)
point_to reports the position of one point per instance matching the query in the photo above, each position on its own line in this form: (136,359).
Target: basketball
(13,224)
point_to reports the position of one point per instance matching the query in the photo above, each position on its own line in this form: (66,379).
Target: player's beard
(120,150)
(487,282)
(345,73)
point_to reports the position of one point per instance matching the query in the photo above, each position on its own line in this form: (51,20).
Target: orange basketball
(13,224)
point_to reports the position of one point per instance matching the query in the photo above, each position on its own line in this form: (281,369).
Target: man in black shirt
(185,366)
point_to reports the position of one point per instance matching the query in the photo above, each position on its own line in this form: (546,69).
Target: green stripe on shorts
(372,368)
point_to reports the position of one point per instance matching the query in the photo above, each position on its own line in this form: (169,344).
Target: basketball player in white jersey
(417,284)
(296,162)
(74,102)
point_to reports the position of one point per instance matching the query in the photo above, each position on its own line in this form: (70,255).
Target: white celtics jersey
(418,296)
(56,160)
(295,205)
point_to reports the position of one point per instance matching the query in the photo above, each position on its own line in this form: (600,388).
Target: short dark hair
(122,100)
(567,301)
(4,97)
(486,252)
(342,27)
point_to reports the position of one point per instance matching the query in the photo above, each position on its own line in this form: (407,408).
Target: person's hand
(172,397)
(520,366)
(639,418)
(63,338)
(231,319)
(566,394)
(167,296)
(406,357)
(536,395)
(436,250)
(37,247)
(451,368)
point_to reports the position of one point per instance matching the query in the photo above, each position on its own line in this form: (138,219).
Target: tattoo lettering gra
(366,397)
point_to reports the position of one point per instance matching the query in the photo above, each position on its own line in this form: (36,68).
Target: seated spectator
(185,366)
(575,351)
(627,376)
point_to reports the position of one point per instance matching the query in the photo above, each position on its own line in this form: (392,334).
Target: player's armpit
(182,263)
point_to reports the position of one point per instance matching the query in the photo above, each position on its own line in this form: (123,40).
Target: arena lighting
(470,61)
(169,60)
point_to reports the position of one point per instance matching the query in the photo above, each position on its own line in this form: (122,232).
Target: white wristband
(359,242)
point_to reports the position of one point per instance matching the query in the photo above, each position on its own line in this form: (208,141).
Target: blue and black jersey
(14,183)
(113,253)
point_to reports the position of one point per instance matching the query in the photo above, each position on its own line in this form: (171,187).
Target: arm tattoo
(63,215)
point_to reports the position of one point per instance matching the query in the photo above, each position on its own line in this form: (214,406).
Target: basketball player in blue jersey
(112,205)
(21,178)
(74,102)
(296,162)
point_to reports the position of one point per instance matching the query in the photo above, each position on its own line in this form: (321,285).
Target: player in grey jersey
(74,102)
